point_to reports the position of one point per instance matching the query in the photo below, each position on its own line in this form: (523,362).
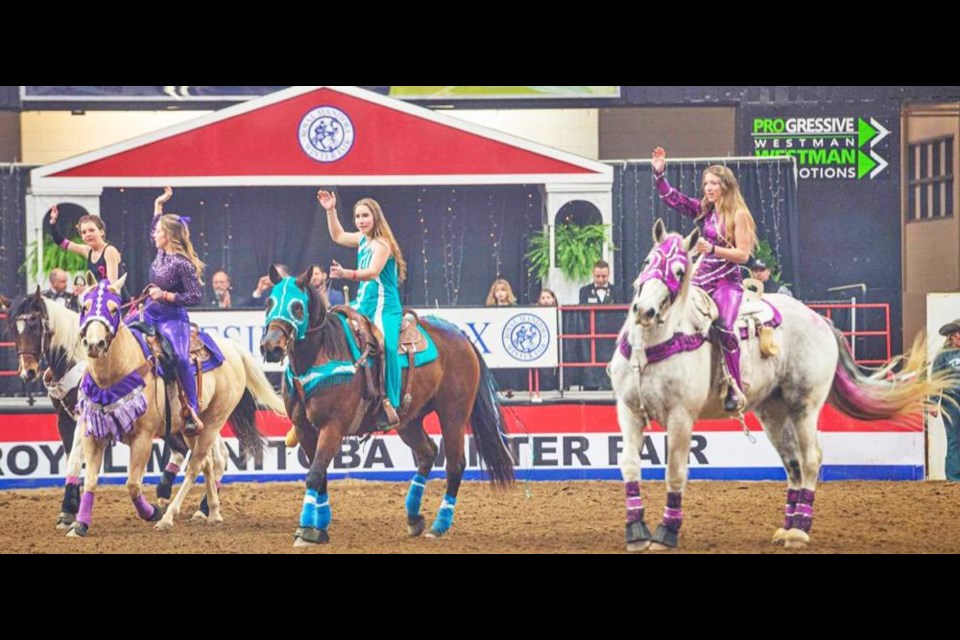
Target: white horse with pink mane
(667,369)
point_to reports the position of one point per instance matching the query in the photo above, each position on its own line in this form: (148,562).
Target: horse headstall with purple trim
(667,262)
(100,298)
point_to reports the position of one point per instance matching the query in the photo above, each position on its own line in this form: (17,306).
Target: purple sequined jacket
(175,273)
(713,269)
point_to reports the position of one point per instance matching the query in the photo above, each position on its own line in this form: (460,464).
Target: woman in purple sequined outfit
(175,283)
(728,235)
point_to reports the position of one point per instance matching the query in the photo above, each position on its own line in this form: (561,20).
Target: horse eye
(112,307)
(297,309)
(87,305)
(679,272)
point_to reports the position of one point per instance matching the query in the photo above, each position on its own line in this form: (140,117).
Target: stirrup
(393,420)
(192,424)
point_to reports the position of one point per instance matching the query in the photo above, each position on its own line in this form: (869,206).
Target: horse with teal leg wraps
(324,392)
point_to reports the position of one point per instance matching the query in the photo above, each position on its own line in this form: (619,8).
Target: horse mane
(65,325)
(331,339)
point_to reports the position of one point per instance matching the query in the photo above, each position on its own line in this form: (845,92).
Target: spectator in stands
(501,294)
(760,271)
(599,291)
(58,290)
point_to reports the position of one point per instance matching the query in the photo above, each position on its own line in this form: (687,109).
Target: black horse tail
(489,428)
(244,423)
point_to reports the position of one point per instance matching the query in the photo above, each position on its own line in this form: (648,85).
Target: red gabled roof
(261,139)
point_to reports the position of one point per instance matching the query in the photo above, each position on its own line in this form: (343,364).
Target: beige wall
(931,249)
(692,132)
(573,130)
(48,136)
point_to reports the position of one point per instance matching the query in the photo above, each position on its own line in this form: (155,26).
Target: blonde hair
(178,235)
(730,201)
(382,231)
(492,299)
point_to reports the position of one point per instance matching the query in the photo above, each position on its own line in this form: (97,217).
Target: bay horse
(232,391)
(667,369)
(458,386)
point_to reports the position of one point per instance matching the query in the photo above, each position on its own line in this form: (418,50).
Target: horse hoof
(435,533)
(64,520)
(198,516)
(416,526)
(158,512)
(779,536)
(642,545)
(659,547)
(215,520)
(310,537)
(164,525)
(796,539)
(78,530)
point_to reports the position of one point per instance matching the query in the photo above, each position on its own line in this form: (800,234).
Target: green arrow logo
(865,164)
(865,132)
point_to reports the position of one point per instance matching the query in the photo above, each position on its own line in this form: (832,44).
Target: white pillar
(555,197)
(37,205)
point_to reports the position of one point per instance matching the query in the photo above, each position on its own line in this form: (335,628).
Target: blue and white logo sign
(526,337)
(326,134)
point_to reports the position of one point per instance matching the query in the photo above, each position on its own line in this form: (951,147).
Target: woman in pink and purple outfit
(728,235)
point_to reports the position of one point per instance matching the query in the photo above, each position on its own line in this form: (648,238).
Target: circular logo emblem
(326,134)
(525,337)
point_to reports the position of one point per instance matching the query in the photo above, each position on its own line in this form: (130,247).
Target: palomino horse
(116,362)
(667,369)
(457,385)
(46,331)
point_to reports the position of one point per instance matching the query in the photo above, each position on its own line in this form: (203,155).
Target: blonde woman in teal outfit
(380,270)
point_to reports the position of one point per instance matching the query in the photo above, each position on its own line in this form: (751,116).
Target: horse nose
(85,343)
(31,375)
(636,308)
(101,345)
(650,313)
(277,354)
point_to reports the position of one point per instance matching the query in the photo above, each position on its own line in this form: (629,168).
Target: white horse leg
(637,535)
(93,457)
(805,423)
(71,493)
(782,434)
(679,428)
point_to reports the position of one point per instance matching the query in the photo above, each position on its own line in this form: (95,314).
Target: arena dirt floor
(539,517)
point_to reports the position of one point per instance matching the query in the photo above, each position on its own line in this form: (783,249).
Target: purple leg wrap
(673,513)
(85,515)
(791,507)
(144,509)
(74,480)
(634,502)
(803,518)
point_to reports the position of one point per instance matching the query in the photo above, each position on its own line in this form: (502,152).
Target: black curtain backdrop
(456,240)
(769,188)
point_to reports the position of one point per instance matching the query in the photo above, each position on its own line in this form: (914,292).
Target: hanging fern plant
(578,247)
(764,252)
(53,258)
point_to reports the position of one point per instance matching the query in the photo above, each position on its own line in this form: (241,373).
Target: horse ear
(117,286)
(659,231)
(303,280)
(691,240)
(38,294)
(91,279)
(275,276)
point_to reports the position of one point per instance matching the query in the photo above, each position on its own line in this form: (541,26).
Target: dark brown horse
(457,385)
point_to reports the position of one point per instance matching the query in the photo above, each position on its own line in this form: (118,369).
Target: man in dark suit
(599,291)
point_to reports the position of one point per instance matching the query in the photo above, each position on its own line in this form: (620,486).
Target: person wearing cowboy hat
(948,359)
(760,271)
